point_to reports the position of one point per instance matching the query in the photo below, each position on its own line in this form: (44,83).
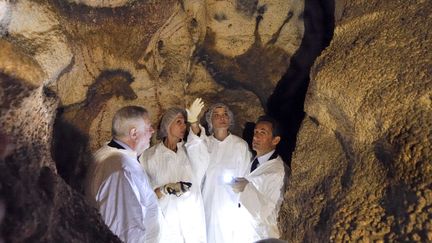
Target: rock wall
(40,206)
(362,166)
(67,66)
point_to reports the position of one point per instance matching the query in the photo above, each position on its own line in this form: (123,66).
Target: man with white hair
(117,184)
(223,156)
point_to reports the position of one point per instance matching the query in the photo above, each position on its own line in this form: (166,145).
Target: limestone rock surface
(36,28)
(40,206)
(67,66)
(362,167)
(103,3)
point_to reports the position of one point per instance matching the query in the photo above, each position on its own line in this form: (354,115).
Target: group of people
(207,189)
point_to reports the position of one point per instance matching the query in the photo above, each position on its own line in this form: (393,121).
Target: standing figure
(260,191)
(176,182)
(223,156)
(117,184)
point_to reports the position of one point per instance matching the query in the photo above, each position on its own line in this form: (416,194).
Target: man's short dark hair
(276,130)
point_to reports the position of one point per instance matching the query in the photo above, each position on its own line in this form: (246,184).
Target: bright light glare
(227,177)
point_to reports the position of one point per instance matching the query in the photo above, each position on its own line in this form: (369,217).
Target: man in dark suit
(260,192)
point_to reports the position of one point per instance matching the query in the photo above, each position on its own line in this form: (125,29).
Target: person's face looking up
(220,118)
(177,128)
(263,140)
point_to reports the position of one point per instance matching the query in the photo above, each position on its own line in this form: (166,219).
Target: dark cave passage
(349,81)
(286,104)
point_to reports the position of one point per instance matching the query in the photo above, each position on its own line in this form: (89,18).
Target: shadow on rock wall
(71,152)
(40,207)
(286,103)
(361,169)
(71,149)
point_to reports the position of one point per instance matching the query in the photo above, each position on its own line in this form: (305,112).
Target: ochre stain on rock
(110,83)
(16,63)
(71,129)
(121,31)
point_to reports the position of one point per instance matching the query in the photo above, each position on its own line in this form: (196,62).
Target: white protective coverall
(184,215)
(262,197)
(119,188)
(222,160)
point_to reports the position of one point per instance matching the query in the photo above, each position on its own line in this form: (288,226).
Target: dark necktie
(255,164)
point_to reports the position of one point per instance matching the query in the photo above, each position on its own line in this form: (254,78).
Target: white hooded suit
(119,188)
(184,215)
(262,197)
(220,161)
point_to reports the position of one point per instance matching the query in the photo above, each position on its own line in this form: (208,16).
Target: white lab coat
(221,161)
(262,197)
(183,215)
(119,188)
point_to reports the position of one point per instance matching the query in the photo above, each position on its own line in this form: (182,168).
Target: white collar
(219,141)
(125,146)
(164,148)
(264,158)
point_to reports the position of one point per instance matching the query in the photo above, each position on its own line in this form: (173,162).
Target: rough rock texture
(40,206)
(67,66)
(102,3)
(36,28)
(286,103)
(175,53)
(361,170)
(362,167)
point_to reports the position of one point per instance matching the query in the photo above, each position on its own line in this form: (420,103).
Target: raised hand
(194,110)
